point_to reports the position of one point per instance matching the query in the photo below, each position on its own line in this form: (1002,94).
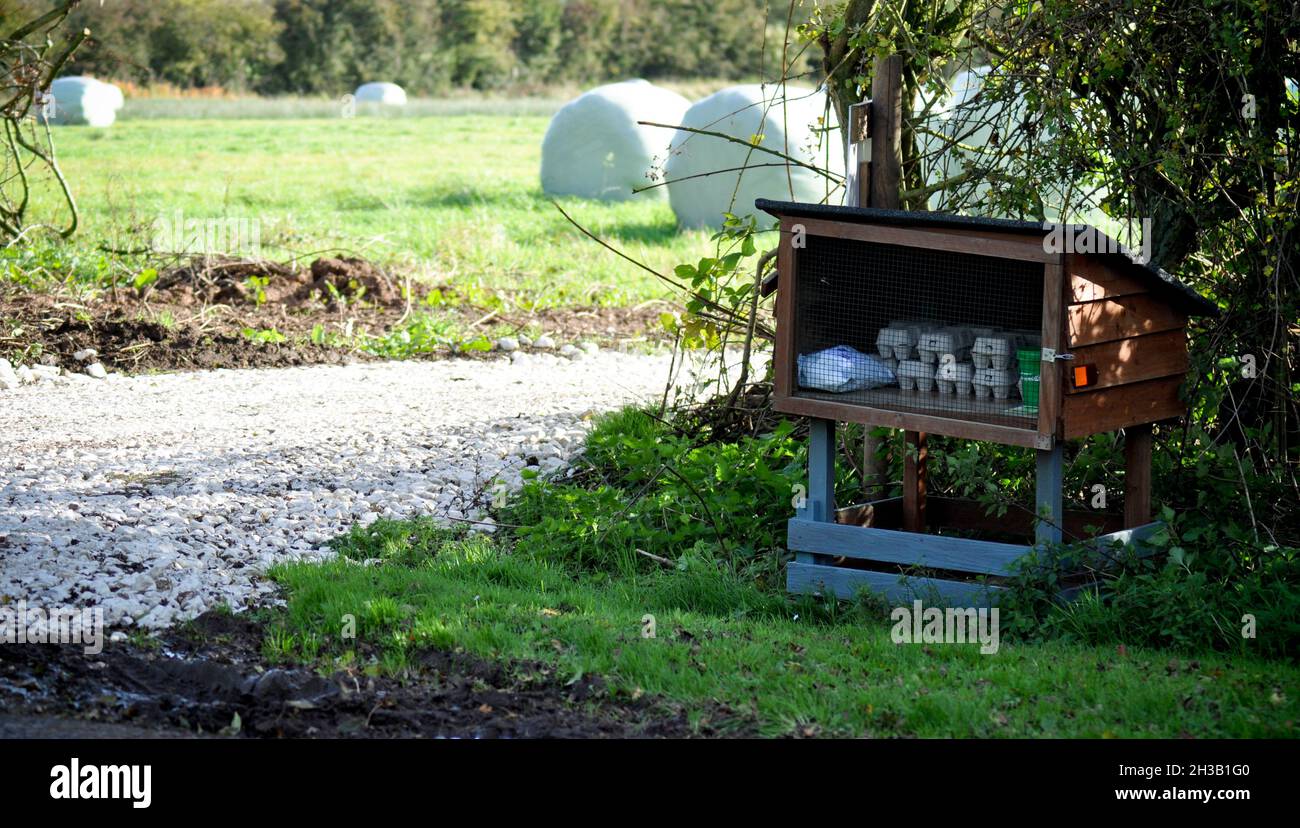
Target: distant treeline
(427,46)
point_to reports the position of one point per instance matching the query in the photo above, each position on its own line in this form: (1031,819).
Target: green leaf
(145,278)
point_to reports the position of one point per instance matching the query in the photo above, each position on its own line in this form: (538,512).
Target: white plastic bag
(840,369)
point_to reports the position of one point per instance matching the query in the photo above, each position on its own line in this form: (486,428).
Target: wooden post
(887,132)
(1137,475)
(914,481)
(881,189)
(820,504)
(1049,478)
(1048,482)
(819,501)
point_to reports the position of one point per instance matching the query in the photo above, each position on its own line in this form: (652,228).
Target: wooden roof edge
(1178,293)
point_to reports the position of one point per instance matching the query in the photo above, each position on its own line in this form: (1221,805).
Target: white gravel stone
(85,354)
(507,343)
(544,343)
(45,372)
(571,352)
(8,377)
(157,497)
(96,370)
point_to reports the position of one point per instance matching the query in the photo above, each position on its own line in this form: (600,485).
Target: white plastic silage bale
(962,117)
(800,126)
(82,101)
(595,147)
(381,93)
(115,95)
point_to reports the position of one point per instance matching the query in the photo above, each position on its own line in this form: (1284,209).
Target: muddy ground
(195,317)
(207,678)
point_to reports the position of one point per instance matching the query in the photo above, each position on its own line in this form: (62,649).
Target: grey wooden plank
(907,548)
(1102,551)
(1047,483)
(1134,536)
(847,583)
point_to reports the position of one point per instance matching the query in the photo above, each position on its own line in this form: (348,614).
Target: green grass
(795,667)
(455,198)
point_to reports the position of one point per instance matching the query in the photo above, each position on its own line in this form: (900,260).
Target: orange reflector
(1084,375)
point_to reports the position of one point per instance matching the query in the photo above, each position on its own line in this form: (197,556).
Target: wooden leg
(820,502)
(873,474)
(1137,475)
(914,481)
(1051,513)
(821,471)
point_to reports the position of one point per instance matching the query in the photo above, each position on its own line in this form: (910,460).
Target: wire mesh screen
(918,330)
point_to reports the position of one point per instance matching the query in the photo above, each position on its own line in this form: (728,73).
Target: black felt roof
(1175,292)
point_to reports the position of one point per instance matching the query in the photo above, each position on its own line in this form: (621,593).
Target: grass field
(455,197)
(790,669)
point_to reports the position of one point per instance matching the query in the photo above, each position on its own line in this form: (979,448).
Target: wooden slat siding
(1137,475)
(966,429)
(1107,320)
(1005,246)
(1053,335)
(1126,361)
(887,513)
(955,513)
(847,583)
(783,357)
(1110,409)
(904,548)
(1091,279)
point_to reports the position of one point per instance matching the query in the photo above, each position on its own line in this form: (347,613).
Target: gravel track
(157,497)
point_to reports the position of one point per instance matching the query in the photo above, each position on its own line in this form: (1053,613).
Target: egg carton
(913,374)
(995,381)
(996,351)
(953,340)
(955,377)
(895,343)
